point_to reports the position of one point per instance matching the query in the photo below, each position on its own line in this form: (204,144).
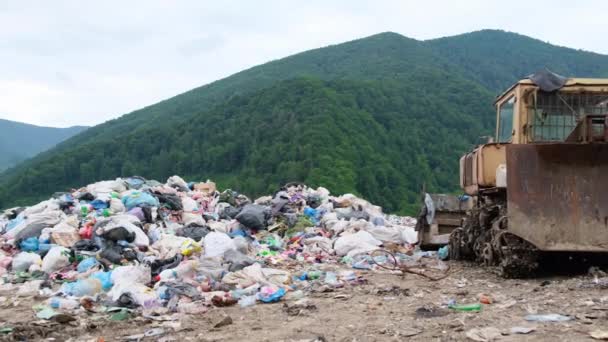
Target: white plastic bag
(352,244)
(23,261)
(216,244)
(57,258)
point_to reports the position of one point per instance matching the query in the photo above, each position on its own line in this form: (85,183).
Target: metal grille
(557,114)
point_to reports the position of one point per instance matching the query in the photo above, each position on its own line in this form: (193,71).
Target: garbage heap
(136,244)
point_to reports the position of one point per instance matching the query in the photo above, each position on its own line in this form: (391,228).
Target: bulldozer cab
(548,108)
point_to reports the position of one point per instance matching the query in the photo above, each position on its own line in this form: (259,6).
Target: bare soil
(384,309)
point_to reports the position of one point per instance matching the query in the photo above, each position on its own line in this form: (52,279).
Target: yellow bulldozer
(541,185)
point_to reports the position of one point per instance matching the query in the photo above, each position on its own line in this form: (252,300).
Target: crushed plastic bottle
(547,318)
(465,307)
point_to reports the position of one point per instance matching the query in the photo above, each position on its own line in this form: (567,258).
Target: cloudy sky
(68,63)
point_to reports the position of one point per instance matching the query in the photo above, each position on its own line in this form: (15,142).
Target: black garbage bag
(85,245)
(170,201)
(116,254)
(237,260)
(87,196)
(182,289)
(230,212)
(159,265)
(254,216)
(119,234)
(147,214)
(193,231)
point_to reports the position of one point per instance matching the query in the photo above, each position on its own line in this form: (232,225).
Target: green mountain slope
(19,141)
(497,58)
(377,116)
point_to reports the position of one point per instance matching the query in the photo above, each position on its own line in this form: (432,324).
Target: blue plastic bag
(443,253)
(29,245)
(271,298)
(99,204)
(105,278)
(86,265)
(138,199)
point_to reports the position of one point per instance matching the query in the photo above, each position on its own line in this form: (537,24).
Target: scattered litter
(547,318)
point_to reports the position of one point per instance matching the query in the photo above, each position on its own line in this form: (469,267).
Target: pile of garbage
(136,244)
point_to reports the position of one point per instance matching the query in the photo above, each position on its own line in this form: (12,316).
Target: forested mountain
(19,141)
(377,116)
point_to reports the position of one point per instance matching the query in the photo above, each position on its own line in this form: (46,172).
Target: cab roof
(569,82)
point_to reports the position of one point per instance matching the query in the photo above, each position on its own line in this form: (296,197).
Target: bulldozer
(540,185)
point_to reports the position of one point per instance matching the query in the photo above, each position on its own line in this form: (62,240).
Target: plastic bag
(352,244)
(116,206)
(254,216)
(23,261)
(269,294)
(126,222)
(82,287)
(216,244)
(177,182)
(57,258)
(138,199)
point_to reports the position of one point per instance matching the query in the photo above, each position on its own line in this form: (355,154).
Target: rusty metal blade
(558,195)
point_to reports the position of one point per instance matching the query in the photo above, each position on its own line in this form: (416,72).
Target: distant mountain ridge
(377,116)
(19,141)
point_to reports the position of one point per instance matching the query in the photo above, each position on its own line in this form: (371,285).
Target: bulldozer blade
(558,195)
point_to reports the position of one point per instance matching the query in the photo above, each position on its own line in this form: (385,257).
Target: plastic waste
(82,287)
(105,278)
(185,269)
(247,301)
(547,318)
(86,265)
(331,279)
(23,261)
(29,244)
(269,294)
(465,307)
(253,216)
(443,253)
(139,198)
(63,303)
(57,258)
(216,244)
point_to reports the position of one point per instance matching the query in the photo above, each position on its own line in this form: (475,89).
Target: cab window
(505,121)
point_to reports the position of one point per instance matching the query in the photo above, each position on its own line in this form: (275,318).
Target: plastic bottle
(547,318)
(465,307)
(63,303)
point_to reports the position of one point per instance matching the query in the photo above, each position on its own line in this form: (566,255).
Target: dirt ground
(384,309)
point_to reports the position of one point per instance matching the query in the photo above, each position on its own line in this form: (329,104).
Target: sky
(65,63)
